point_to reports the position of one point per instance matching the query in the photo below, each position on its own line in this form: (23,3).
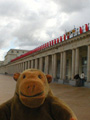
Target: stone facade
(63,60)
(13,53)
(1,63)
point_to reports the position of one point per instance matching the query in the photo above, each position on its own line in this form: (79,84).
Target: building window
(17,51)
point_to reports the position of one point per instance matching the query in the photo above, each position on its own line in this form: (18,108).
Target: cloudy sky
(26,24)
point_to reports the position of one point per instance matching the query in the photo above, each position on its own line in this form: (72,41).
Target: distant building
(1,63)
(13,53)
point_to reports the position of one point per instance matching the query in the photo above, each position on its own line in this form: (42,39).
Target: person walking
(78,80)
(82,78)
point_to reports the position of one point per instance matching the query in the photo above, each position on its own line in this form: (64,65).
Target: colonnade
(48,64)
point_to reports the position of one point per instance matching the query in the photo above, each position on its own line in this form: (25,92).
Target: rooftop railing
(70,34)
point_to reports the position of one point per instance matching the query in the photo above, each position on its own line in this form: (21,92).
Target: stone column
(23,66)
(28,64)
(64,65)
(10,70)
(19,67)
(88,64)
(13,68)
(73,63)
(46,64)
(36,63)
(16,68)
(31,63)
(61,66)
(54,65)
(41,63)
(77,62)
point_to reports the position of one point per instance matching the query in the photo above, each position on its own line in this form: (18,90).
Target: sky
(27,24)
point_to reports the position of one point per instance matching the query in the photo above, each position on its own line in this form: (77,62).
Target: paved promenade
(78,98)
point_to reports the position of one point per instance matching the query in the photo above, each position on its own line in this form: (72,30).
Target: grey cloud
(26,37)
(10,8)
(32,23)
(72,5)
(6,35)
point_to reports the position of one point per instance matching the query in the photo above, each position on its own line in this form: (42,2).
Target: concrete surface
(78,98)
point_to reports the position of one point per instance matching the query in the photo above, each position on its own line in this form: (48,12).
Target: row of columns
(88,65)
(39,65)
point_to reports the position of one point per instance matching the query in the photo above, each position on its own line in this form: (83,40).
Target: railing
(66,36)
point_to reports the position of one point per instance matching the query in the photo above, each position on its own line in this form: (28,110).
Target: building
(63,57)
(11,54)
(1,63)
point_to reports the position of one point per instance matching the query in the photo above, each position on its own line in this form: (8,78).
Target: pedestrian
(78,80)
(82,76)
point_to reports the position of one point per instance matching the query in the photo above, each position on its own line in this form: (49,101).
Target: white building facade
(13,53)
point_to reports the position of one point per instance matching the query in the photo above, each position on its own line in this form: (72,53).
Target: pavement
(78,98)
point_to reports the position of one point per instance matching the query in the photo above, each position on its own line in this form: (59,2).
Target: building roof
(66,36)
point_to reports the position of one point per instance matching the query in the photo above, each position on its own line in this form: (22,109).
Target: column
(28,64)
(17,68)
(20,67)
(23,66)
(61,66)
(54,65)
(73,63)
(31,63)
(9,68)
(64,65)
(13,68)
(88,64)
(77,62)
(41,63)
(46,64)
(36,63)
